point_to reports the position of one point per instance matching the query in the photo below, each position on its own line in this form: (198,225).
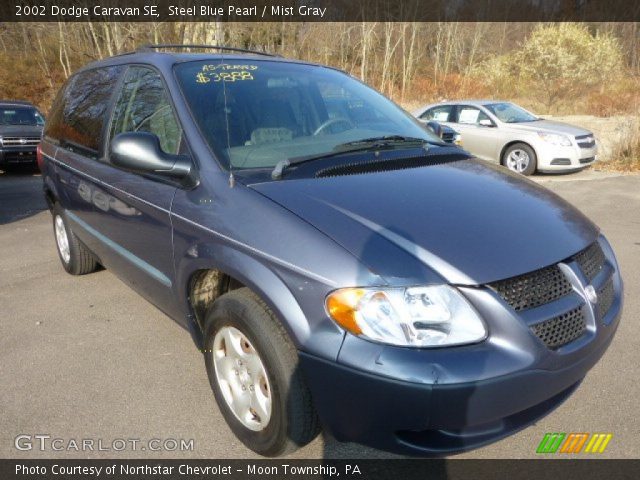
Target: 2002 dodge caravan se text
(337,264)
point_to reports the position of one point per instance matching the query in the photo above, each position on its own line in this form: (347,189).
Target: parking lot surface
(87,358)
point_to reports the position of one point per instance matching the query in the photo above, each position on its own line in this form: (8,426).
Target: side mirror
(485,122)
(140,152)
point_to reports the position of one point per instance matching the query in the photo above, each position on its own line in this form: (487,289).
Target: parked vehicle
(352,270)
(510,135)
(20,131)
(447,134)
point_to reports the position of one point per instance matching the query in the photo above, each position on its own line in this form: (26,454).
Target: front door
(135,209)
(479,133)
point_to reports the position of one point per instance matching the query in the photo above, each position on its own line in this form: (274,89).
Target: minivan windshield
(255,114)
(510,113)
(20,116)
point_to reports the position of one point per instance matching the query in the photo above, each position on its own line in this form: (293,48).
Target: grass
(625,156)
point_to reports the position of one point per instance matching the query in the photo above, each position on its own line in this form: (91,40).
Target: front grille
(533,289)
(562,329)
(20,141)
(591,260)
(605,298)
(586,141)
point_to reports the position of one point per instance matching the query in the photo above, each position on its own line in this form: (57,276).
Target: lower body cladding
(434,402)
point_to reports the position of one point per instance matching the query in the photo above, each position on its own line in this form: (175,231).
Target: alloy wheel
(518,160)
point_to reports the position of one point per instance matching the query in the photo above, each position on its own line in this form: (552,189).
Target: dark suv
(20,131)
(336,263)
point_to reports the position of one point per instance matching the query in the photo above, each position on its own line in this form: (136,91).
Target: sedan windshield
(20,116)
(255,114)
(510,113)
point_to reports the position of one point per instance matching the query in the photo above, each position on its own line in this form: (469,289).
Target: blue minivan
(338,265)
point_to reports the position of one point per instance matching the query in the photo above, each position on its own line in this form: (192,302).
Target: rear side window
(439,114)
(143,106)
(78,114)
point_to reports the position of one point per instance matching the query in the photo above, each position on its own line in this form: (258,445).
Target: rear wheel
(520,158)
(253,371)
(74,256)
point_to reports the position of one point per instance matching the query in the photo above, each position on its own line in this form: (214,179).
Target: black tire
(533,160)
(80,260)
(293,422)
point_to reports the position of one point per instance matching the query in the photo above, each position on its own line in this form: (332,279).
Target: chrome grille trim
(17,141)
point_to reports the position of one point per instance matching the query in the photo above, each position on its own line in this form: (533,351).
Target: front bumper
(553,158)
(433,402)
(17,155)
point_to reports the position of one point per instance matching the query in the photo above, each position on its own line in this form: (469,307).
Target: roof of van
(163,58)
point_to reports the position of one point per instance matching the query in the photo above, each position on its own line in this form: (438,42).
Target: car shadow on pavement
(21,195)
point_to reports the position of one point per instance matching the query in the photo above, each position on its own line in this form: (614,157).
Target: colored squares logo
(574,443)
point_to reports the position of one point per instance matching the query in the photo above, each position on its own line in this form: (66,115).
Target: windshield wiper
(363,145)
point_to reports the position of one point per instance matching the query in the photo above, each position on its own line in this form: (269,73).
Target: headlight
(555,139)
(414,317)
(457,139)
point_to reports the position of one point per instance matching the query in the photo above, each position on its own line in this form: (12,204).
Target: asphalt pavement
(87,358)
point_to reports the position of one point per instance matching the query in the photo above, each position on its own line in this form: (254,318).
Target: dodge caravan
(339,266)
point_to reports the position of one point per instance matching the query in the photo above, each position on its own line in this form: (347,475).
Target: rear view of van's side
(313,239)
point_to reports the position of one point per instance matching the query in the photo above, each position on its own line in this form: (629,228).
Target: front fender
(312,331)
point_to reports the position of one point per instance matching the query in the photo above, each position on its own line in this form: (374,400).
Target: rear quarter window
(78,114)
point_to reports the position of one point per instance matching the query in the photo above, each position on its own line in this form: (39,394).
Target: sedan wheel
(520,158)
(518,161)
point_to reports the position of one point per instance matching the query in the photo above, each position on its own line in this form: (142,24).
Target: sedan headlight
(415,317)
(457,139)
(555,139)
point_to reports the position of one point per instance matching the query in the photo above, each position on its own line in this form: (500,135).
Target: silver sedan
(514,137)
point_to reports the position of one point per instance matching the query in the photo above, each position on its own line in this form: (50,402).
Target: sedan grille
(20,141)
(591,260)
(533,289)
(562,329)
(586,141)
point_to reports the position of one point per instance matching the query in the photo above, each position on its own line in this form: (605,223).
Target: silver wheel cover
(61,239)
(242,378)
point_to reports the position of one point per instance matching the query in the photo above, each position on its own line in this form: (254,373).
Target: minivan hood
(469,221)
(549,126)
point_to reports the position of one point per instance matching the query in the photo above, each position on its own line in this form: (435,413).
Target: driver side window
(143,106)
(471,115)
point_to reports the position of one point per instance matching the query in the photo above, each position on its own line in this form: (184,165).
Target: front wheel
(520,158)
(253,371)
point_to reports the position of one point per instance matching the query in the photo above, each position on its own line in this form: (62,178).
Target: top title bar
(320,10)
